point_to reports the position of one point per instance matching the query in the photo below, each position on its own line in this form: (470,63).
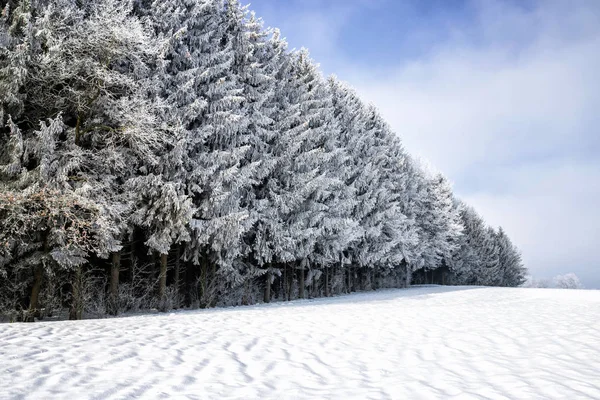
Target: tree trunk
(284,283)
(245,301)
(361,279)
(177,283)
(162,283)
(327,282)
(301,284)
(187,300)
(113,301)
(76,310)
(375,282)
(290,281)
(278,289)
(203,279)
(349,268)
(38,274)
(213,285)
(268,287)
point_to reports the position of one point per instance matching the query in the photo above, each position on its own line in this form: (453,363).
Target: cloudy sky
(502,96)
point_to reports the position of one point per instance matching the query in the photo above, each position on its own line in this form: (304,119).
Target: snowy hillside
(426,342)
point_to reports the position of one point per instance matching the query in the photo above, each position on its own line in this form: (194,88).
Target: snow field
(418,343)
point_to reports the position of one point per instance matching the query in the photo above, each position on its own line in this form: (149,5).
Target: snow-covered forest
(175,153)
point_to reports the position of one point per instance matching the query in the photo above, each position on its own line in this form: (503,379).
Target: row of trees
(174,153)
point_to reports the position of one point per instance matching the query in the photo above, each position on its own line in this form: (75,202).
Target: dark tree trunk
(186,285)
(361,280)
(284,283)
(38,274)
(213,285)
(76,310)
(176,278)
(113,300)
(349,268)
(203,279)
(327,282)
(301,283)
(268,287)
(290,282)
(245,299)
(277,289)
(162,283)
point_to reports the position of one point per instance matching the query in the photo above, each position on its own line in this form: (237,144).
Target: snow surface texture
(418,343)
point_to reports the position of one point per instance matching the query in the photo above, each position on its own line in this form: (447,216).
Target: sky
(502,96)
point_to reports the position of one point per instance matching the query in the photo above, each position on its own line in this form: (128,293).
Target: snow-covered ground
(426,342)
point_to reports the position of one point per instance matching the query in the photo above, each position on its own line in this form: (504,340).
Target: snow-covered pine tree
(377,170)
(257,60)
(475,261)
(205,100)
(511,265)
(398,232)
(257,68)
(337,227)
(350,114)
(305,186)
(490,272)
(463,260)
(437,220)
(189,40)
(223,173)
(265,239)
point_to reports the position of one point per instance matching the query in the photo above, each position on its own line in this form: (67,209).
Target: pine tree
(476,260)
(511,265)
(489,273)
(437,219)
(376,170)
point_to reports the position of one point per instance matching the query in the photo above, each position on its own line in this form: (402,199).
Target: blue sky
(500,95)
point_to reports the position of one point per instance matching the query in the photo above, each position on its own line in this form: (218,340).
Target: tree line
(174,153)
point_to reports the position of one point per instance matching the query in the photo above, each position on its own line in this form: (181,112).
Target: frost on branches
(167,154)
